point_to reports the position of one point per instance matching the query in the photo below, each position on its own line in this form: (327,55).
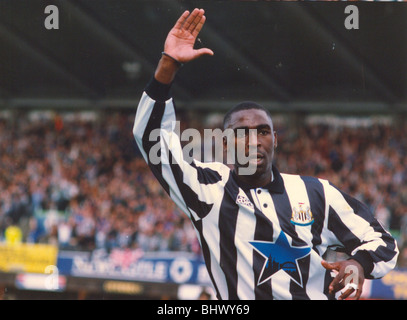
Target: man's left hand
(350,276)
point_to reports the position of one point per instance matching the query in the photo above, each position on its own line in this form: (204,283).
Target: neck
(256,182)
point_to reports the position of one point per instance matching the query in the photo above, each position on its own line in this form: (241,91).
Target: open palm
(181,39)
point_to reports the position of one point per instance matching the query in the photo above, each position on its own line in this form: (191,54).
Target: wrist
(167,69)
(180,64)
(365,261)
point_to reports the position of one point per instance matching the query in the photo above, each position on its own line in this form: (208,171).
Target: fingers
(330,266)
(180,22)
(358,294)
(338,283)
(198,26)
(191,22)
(194,18)
(181,39)
(349,289)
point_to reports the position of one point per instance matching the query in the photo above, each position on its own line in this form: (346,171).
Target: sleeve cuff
(158,91)
(365,261)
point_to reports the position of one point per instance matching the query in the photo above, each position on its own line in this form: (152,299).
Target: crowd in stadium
(83,185)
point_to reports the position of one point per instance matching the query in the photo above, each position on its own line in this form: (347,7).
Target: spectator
(81,186)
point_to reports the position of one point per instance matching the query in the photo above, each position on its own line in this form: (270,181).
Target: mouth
(257,158)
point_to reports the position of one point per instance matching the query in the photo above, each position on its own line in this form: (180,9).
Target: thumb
(203,51)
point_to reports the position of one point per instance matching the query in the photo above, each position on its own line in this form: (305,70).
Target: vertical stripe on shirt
(264,231)
(208,192)
(245,229)
(227,227)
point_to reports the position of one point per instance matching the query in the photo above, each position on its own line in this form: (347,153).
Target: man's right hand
(180,44)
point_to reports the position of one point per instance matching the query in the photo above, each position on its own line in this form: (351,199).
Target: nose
(252,139)
(252,142)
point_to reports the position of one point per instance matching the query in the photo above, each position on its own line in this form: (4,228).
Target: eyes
(246,132)
(264,132)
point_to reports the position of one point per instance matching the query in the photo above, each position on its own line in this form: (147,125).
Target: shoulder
(211,172)
(314,185)
(308,180)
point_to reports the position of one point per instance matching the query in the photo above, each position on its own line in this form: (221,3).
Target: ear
(275,139)
(225,154)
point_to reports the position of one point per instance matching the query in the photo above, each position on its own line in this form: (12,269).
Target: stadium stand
(81,184)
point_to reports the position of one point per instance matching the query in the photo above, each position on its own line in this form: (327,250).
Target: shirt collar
(274,186)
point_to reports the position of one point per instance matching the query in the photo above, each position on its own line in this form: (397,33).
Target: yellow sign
(395,277)
(13,235)
(122,287)
(27,257)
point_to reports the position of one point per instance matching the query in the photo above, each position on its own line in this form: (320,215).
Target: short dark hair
(245,105)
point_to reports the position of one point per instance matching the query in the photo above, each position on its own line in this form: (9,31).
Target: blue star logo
(280,255)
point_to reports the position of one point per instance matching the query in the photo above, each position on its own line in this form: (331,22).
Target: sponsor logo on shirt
(244,201)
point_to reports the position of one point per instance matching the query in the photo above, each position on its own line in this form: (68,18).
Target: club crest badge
(302,215)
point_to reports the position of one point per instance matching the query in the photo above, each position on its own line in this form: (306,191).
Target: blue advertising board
(185,268)
(165,267)
(392,286)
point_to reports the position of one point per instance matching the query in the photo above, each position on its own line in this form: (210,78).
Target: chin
(263,172)
(259,173)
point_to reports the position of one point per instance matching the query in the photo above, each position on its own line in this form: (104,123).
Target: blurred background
(82,217)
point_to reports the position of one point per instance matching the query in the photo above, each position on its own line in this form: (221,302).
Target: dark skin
(265,141)
(180,45)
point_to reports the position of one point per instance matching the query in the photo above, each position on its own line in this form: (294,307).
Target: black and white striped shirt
(261,243)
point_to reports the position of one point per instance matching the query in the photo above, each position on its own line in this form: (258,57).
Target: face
(261,141)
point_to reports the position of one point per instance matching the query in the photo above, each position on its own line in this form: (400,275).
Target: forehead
(250,118)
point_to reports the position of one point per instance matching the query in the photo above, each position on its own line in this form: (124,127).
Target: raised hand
(179,45)
(181,39)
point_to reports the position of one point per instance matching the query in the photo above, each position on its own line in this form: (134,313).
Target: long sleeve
(362,236)
(239,227)
(190,185)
